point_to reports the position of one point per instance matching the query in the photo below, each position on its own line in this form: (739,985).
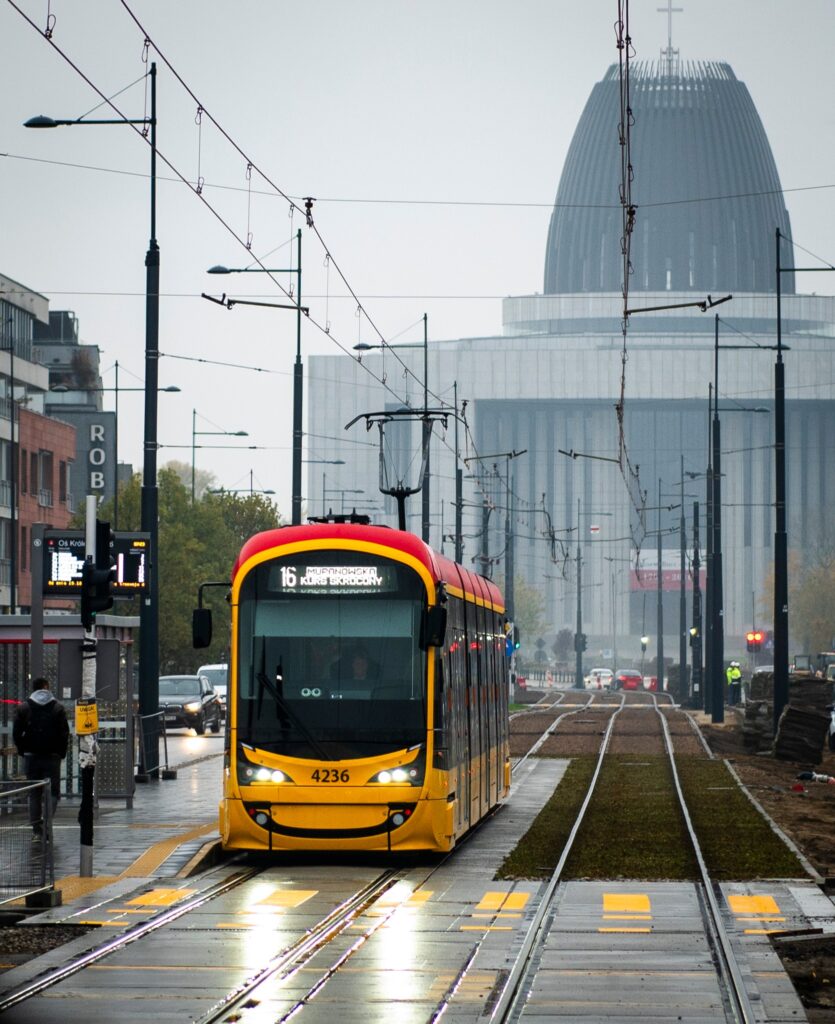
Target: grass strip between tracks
(634,827)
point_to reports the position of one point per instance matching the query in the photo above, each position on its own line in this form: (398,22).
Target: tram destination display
(64,557)
(333,579)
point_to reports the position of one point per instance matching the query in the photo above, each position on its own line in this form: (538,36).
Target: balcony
(5,571)
(69,501)
(45,499)
(5,494)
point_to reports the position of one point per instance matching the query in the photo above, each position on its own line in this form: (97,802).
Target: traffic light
(96,578)
(754,639)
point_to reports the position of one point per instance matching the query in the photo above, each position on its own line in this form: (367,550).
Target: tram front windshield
(329,661)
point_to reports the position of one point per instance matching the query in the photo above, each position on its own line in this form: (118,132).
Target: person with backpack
(41,734)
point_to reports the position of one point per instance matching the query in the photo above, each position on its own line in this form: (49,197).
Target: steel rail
(728,967)
(49,978)
(312,941)
(548,732)
(513,988)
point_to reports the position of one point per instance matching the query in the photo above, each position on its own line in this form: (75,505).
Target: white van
(217,676)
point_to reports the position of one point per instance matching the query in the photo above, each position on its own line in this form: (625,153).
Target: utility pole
(682,600)
(459,486)
(578,636)
(88,741)
(659,671)
(717,601)
(708,610)
(427,434)
(508,551)
(696,655)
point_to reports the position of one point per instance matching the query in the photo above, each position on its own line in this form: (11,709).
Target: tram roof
(441,568)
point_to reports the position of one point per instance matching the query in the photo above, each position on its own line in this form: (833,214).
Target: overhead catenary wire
(378,201)
(182,179)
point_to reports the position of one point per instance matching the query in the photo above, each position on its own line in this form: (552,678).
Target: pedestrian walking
(41,734)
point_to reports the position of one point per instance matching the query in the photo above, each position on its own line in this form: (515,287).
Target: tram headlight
(407,775)
(251,773)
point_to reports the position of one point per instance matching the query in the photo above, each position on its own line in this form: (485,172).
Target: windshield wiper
(281,703)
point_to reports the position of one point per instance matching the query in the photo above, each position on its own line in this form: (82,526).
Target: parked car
(189,702)
(217,676)
(628,679)
(599,679)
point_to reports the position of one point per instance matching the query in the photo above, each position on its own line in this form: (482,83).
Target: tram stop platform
(171,826)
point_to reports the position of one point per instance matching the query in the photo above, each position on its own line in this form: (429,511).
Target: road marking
(161,897)
(283,898)
(757,905)
(625,906)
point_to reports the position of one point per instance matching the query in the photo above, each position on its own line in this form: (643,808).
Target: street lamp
(298,376)
(195,433)
(579,636)
(13,474)
(781,565)
(66,388)
(149,606)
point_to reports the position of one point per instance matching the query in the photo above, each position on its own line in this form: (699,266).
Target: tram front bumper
(384,825)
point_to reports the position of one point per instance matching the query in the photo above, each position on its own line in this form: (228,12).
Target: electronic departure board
(64,556)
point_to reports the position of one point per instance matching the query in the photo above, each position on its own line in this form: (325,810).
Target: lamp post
(298,374)
(195,433)
(149,606)
(579,636)
(324,462)
(66,388)
(781,566)
(13,473)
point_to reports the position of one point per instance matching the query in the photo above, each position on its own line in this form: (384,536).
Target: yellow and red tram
(368,692)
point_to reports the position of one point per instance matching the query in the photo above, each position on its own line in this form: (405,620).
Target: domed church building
(615,424)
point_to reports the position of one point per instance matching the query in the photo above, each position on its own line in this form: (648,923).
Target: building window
(62,481)
(33,473)
(24,472)
(46,475)
(24,549)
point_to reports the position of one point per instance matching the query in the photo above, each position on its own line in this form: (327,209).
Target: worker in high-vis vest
(733,674)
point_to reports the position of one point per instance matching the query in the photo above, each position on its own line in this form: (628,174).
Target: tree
(203,479)
(563,645)
(528,611)
(197,543)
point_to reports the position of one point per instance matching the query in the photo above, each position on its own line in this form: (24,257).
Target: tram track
(325,952)
(509,1003)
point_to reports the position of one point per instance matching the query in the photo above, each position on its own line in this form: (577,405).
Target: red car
(628,679)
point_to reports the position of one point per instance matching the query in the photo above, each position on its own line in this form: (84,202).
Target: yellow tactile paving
(160,897)
(625,903)
(762,909)
(284,898)
(155,855)
(626,906)
(758,905)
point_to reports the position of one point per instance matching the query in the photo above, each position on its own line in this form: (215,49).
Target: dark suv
(189,702)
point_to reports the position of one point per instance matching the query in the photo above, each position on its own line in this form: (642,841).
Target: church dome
(696,136)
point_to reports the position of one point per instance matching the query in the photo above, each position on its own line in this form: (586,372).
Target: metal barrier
(27,866)
(144,772)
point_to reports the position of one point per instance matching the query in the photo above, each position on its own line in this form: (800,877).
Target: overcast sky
(432,135)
